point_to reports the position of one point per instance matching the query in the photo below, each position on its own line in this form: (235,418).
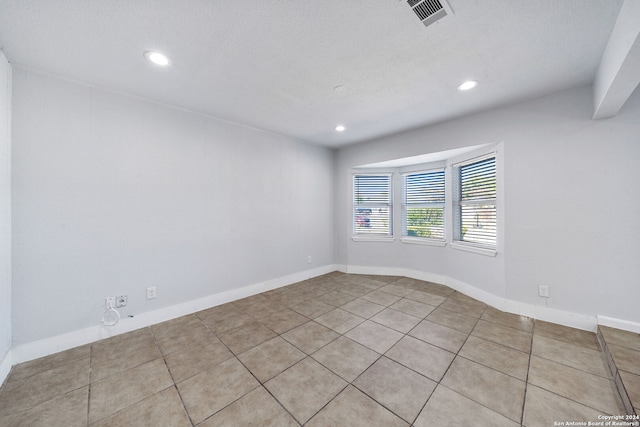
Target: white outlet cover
(110,302)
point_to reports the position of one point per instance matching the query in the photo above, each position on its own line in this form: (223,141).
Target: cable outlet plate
(543,291)
(121,301)
(109,302)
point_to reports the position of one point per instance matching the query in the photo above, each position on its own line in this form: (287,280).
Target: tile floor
(337,350)
(622,351)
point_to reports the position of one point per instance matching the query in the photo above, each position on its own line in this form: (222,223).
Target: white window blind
(423,205)
(474,197)
(372,205)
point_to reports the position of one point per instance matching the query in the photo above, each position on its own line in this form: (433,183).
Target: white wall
(5,215)
(113,194)
(571,205)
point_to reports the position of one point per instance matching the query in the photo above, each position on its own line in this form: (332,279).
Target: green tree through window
(423,205)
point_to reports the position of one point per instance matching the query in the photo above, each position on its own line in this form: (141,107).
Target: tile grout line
(90,382)
(473,361)
(260,384)
(326,404)
(445,371)
(450,299)
(457,354)
(279,403)
(164,360)
(569,367)
(526,382)
(349,383)
(372,398)
(401,364)
(234,356)
(622,388)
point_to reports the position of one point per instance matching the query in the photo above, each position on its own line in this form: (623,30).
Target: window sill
(383,239)
(474,249)
(423,241)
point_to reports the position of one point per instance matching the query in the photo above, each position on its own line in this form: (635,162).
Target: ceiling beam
(619,72)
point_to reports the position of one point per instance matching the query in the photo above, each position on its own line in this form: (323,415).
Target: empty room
(339,213)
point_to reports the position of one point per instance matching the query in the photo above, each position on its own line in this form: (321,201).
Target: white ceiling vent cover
(429,11)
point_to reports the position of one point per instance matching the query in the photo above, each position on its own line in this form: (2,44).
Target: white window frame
(405,205)
(456,242)
(389,205)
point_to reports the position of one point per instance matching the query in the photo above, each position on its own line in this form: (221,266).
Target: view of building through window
(372,204)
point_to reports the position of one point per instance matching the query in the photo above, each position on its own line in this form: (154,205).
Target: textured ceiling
(274,64)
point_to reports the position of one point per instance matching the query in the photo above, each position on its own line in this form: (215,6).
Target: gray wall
(570,208)
(113,194)
(5,208)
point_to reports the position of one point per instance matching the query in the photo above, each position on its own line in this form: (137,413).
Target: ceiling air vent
(429,11)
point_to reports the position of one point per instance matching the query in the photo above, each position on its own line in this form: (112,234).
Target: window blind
(475,219)
(423,205)
(372,204)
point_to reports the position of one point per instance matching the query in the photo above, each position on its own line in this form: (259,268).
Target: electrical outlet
(151,292)
(309,259)
(543,291)
(121,301)
(110,302)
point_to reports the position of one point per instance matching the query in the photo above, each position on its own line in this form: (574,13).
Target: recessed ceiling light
(340,128)
(157,58)
(470,84)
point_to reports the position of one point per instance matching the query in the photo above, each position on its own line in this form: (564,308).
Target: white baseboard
(36,349)
(377,271)
(46,346)
(341,268)
(547,314)
(625,325)
(552,315)
(5,367)
(393,271)
(473,292)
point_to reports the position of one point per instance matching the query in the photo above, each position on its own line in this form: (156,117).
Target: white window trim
(424,240)
(486,150)
(375,237)
(463,246)
(427,241)
(468,158)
